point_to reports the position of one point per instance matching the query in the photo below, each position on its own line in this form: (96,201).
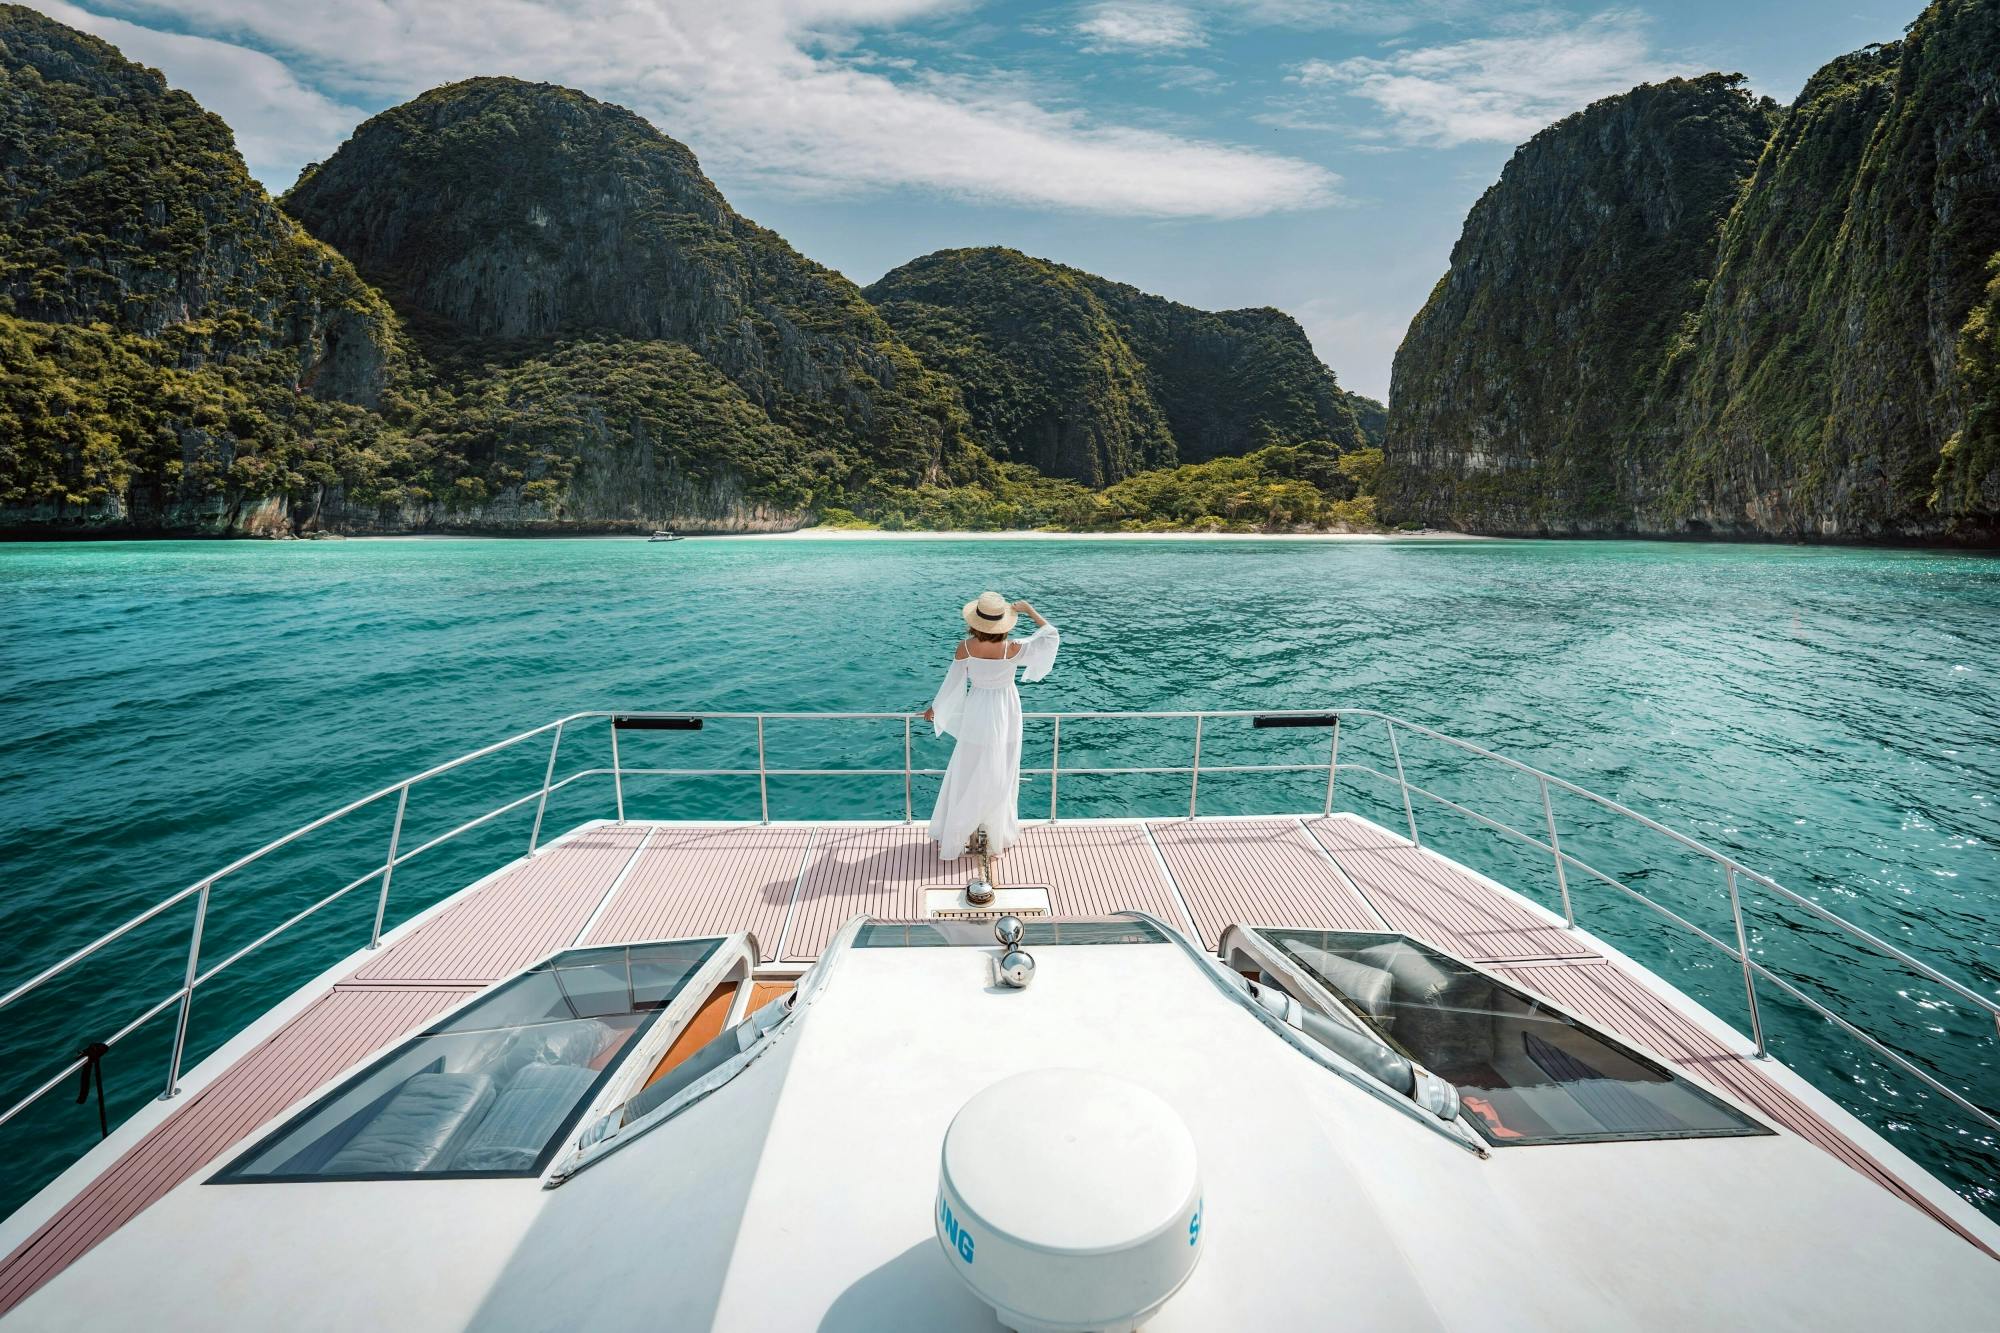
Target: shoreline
(1018,534)
(873,534)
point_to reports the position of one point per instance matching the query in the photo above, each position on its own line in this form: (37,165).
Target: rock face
(594,434)
(1094,380)
(1603,357)
(553,322)
(1840,381)
(498,211)
(1518,390)
(160,230)
(169,330)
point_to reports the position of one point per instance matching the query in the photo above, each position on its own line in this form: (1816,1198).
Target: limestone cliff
(508,214)
(1518,391)
(572,331)
(1094,380)
(174,340)
(1656,324)
(1839,383)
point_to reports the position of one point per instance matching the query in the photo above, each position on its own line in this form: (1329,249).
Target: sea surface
(1829,716)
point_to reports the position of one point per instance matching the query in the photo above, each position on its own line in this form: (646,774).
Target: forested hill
(552,321)
(501,217)
(1665,320)
(174,351)
(1093,380)
(1521,389)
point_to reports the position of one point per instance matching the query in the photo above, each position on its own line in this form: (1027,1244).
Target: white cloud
(280,123)
(1499,89)
(1140,25)
(760,88)
(1186,78)
(1375,17)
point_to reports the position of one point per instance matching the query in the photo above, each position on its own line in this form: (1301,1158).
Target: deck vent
(1070,1200)
(952,904)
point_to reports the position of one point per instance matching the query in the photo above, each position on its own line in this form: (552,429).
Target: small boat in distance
(1185,1070)
(665,535)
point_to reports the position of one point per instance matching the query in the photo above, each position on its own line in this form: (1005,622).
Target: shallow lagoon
(1829,715)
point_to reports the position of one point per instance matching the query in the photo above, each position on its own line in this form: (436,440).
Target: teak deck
(793,886)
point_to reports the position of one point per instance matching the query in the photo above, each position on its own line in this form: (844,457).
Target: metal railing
(1732,870)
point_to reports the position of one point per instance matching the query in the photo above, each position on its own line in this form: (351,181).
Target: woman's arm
(1037,652)
(1027,609)
(944,709)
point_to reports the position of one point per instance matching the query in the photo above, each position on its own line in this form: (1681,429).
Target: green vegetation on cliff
(1047,375)
(588,423)
(1968,473)
(174,342)
(1661,321)
(1520,387)
(1282,488)
(573,330)
(1372,417)
(1094,380)
(1837,354)
(507,214)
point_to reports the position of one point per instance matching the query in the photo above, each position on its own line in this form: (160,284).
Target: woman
(979,706)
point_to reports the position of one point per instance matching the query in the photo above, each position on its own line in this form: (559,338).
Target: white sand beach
(872,534)
(877,535)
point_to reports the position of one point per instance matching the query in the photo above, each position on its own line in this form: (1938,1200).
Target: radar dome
(1070,1201)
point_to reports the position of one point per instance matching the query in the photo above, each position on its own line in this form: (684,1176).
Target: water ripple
(1828,715)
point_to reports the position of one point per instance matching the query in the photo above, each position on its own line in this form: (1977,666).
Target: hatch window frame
(449,1024)
(1748,1126)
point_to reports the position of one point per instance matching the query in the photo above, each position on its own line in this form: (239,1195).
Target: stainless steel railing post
(535,833)
(909,812)
(763,779)
(389,867)
(187,991)
(1332,767)
(1754,971)
(1409,812)
(1055,768)
(1194,774)
(1555,845)
(1743,956)
(617,772)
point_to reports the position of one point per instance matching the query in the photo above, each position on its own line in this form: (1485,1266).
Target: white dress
(978,705)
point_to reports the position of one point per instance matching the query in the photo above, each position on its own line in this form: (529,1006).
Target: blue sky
(1315,155)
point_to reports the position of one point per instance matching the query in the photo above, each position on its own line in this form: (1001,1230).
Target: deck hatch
(1525,1073)
(493,1089)
(946,933)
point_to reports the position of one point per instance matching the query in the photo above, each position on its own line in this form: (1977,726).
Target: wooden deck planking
(1090,870)
(691,881)
(708,881)
(330,1035)
(1256,872)
(881,871)
(1424,896)
(1598,990)
(518,919)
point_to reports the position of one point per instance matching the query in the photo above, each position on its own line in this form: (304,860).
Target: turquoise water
(1829,715)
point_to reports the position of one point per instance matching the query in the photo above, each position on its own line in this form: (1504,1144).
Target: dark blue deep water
(1830,716)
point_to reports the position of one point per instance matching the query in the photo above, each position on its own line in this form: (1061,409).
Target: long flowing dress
(979,706)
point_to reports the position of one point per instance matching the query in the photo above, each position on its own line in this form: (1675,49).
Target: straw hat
(990,613)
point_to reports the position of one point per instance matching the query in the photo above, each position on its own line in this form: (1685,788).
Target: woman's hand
(1026,608)
(930,715)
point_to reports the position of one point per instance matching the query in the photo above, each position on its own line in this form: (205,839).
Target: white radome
(1070,1201)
